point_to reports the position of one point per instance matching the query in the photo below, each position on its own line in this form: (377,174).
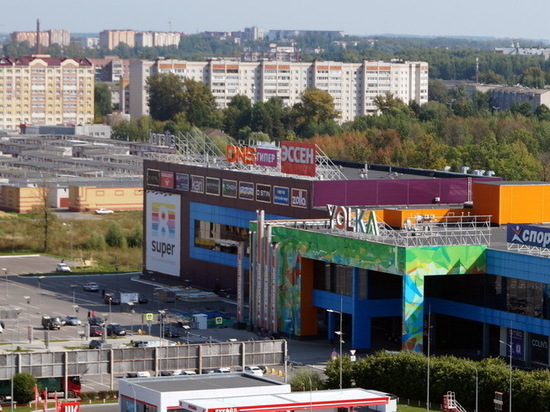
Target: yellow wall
(521,203)
(114,198)
(20,199)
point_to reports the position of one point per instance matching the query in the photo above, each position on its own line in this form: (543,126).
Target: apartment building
(45,90)
(110,39)
(353,86)
(47,38)
(157,39)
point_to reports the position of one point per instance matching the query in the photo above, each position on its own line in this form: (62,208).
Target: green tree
(533,77)
(23,387)
(315,113)
(115,236)
(199,104)
(306,380)
(165,96)
(135,239)
(388,102)
(102,101)
(95,241)
(237,115)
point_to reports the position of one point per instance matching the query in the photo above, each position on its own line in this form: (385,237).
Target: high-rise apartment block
(353,86)
(45,90)
(110,39)
(47,38)
(157,39)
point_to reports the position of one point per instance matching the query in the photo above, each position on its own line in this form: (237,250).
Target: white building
(240,392)
(353,86)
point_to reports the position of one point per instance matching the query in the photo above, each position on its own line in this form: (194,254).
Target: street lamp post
(39,289)
(477,385)
(510,357)
(340,334)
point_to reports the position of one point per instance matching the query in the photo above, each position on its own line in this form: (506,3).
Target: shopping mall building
(387,256)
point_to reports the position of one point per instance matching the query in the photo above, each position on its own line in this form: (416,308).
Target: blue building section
(225,216)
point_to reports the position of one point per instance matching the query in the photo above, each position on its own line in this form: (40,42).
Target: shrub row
(98,396)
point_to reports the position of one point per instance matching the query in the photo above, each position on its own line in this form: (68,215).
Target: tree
(165,96)
(115,236)
(388,102)
(237,115)
(102,101)
(199,104)
(306,380)
(315,113)
(23,387)
(533,77)
(46,215)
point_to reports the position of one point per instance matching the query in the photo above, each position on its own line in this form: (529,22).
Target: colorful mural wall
(413,263)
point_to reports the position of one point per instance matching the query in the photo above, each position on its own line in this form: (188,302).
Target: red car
(96,331)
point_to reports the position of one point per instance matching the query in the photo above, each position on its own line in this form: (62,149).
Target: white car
(62,267)
(253,370)
(72,320)
(104,211)
(91,287)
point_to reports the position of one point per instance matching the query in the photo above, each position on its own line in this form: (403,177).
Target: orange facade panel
(172,66)
(321,67)
(270,67)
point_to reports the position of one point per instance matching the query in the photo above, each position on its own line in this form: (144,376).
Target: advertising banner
(153,177)
(213,186)
(182,181)
(263,193)
(517,344)
(162,243)
(246,190)
(229,188)
(281,195)
(539,348)
(528,235)
(197,184)
(299,198)
(298,158)
(167,179)
(266,157)
(129,298)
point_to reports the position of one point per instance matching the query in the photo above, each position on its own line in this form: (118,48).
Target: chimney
(38,46)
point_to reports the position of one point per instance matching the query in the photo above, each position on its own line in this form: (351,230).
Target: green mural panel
(446,260)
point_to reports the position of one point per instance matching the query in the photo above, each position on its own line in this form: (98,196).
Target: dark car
(96,331)
(142,299)
(96,321)
(97,344)
(114,329)
(112,297)
(171,332)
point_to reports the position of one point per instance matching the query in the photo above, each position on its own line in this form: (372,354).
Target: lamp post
(161,321)
(340,335)
(6,275)
(510,357)
(39,289)
(477,385)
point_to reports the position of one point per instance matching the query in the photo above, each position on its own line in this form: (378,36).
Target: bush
(115,236)
(23,387)
(96,241)
(306,380)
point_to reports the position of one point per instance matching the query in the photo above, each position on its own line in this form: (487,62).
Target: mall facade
(380,257)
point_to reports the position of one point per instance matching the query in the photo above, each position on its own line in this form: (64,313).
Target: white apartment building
(353,86)
(45,90)
(157,39)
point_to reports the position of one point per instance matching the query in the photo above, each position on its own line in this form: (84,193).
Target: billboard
(298,158)
(528,235)
(162,242)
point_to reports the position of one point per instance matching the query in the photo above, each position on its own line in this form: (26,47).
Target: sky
(527,19)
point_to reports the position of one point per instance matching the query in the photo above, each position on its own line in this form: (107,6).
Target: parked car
(72,321)
(104,211)
(171,373)
(96,330)
(97,344)
(96,321)
(51,322)
(62,267)
(114,329)
(222,370)
(112,297)
(255,370)
(138,375)
(171,332)
(142,299)
(91,287)
(188,373)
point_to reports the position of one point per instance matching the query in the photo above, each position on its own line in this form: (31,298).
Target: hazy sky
(526,19)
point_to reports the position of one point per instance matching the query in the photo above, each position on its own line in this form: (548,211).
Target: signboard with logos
(528,235)
(298,158)
(212,186)
(162,243)
(229,188)
(299,198)
(153,177)
(197,184)
(182,181)
(167,179)
(539,348)
(246,190)
(281,195)
(263,193)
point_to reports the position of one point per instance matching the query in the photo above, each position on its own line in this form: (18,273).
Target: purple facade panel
(393,192)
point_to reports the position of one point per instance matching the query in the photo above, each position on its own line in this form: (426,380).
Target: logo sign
(517,344)
(528,235)
(219,320)
(267,157)
(153,177)
(229,188)
(263,193)
(298,158)
(281,195)
(70,407)
(353,219)
(240,154)
(197,184)
(539,348)
(299,198)
(246,190)
(162,250)
(149,317)
(182,181)
(212,186)
(167,179)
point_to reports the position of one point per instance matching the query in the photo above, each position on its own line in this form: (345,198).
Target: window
(220,237)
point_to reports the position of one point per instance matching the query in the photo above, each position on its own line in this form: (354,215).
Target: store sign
(298,158)
(182,181)
(153,177)
(299,198)
(539,348)
(197,184)
(263,193)
(353,219)
(212,186)
(267,157)
(246,190)
(240,154)
(229,188)
(167,179)
(281,195)
(528,235)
